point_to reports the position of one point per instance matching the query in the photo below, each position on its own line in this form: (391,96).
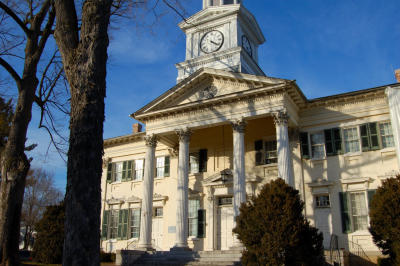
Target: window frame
(156,214)
(345,152)
(201,166)
(319,205)
(381,135)
(264,151)
(322,144)
(164,166)
(131,220)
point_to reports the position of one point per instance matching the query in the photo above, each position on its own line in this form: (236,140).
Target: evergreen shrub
(385,218)
(48,246)
(274,231)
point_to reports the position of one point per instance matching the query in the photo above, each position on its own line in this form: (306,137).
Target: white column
(147,202)
(182,190)
(285,168)
(210,218)
(393,95)
(239,182)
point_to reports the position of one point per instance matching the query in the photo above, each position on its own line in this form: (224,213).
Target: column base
(180,249)
(145,247)
(238,246)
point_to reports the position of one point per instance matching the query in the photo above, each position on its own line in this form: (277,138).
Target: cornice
(222,100)
(123,139)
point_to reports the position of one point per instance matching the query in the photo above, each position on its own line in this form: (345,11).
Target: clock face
(246,45)
(211,41)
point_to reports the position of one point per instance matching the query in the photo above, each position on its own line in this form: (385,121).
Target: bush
(385,218)
(274,230)
(107,257)
(384,262)
(48,246)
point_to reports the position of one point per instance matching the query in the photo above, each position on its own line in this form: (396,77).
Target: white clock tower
(223,35)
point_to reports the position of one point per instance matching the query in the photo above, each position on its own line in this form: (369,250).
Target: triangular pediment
(205,85)
(224,176)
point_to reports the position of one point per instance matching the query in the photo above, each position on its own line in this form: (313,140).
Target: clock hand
(214,42)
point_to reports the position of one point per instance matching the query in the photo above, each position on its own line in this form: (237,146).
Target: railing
(131,244)
(334,251)
(357,250)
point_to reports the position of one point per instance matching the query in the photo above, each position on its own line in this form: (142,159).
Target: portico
(180,123)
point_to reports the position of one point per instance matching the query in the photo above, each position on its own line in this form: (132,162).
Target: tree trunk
(85,67)
(14,168)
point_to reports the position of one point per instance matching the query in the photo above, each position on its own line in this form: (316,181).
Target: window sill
(318,159)
(390,149)
(352,154)
(268,165)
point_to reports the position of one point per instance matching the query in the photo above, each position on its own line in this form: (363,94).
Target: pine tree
(385,218)
(48,246)
(274,230)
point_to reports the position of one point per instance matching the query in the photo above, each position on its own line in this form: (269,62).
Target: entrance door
(224,227)
(323,221)
(157,233)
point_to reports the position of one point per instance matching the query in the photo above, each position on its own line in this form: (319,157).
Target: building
(226,129)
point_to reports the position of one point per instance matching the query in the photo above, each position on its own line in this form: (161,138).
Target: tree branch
(11,71)
(15,18)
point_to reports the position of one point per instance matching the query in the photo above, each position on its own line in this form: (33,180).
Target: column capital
(184,134)
(239,125)
(281,118)
(151,140)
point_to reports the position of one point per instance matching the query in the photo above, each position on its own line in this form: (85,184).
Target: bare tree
(83,46)
(25,28)
(40,192)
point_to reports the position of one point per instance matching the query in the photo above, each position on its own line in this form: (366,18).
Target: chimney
(137,128)
(397,74)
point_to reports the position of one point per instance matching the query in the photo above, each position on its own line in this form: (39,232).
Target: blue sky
(328,46)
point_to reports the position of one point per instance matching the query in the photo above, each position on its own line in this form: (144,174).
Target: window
(196,219)
(139,169)
(317,146)
(162,166)
(354,207)
(322,201)
(386,132)
(359,212)
(369,137)
(113,228)
(266,152)
(351,140)
(333,141)
(120,171)
(134,225)
(198,161)
(158,212)
(225,201)
(194,206)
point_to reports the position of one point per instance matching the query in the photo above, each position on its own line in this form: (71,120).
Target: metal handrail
(129,243)
(334,248)
(359,251)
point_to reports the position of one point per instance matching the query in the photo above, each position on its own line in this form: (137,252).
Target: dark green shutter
(120,224)
(201,224)
(344,209)
(329,144)
(166,166)
(258,146)
(203,161)
(371,193)
(104,230)
(125,224)
(364,137)
(305,152)
(129,171)
(373,136)
(124,166)
(337,140)
(109,172)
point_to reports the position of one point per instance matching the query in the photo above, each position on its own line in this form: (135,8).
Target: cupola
(207,3)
